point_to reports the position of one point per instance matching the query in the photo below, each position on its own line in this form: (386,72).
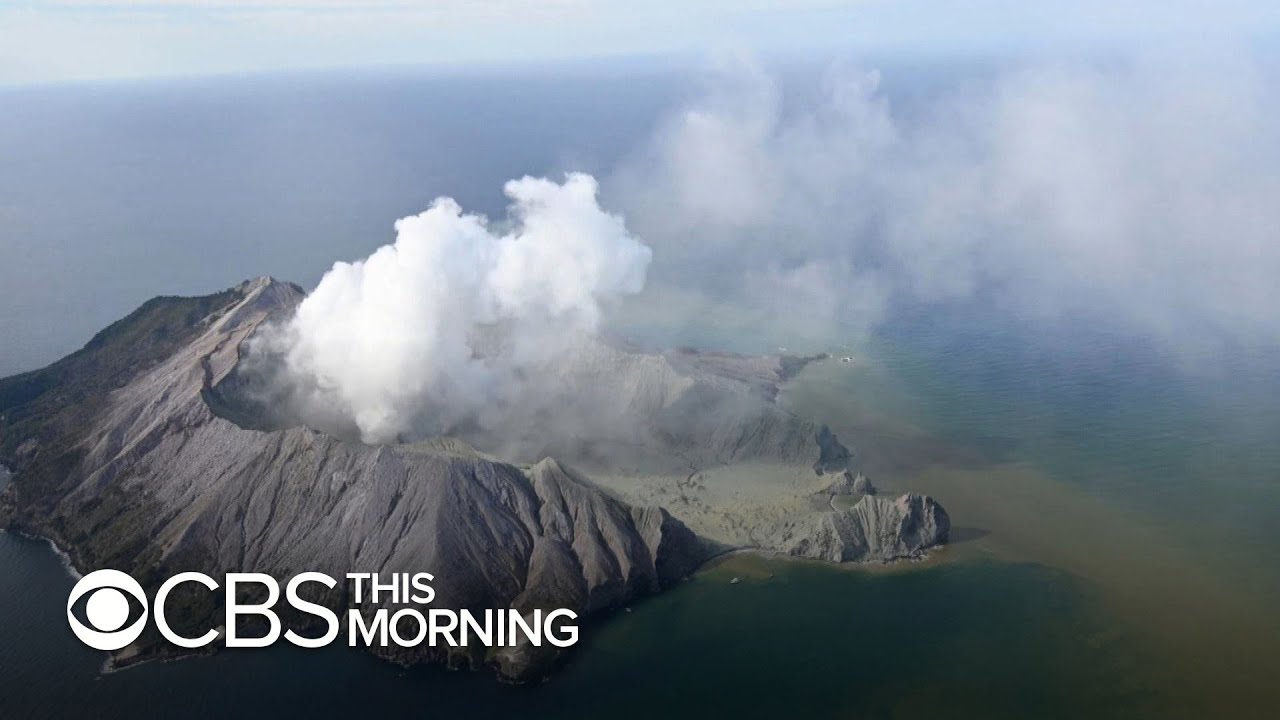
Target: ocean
(1116,507)
(995,639)
(1097,574)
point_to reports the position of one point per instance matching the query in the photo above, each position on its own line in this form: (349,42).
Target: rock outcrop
(874,530)
(832,455)
(849,484)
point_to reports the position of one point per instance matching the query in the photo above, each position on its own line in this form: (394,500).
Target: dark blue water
(983,639)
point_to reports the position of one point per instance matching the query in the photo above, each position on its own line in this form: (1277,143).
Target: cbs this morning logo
(106,596)
(107,609)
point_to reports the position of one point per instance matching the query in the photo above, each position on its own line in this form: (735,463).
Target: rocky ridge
(127,454)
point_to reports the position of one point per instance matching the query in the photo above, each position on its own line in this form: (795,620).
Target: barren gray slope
(873,529)
(154,478)
(165,485)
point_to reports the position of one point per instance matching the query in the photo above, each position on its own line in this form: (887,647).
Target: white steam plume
(424,333)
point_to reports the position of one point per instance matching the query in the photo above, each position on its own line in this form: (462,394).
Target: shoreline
(63,556)
(929,557)
(112,664)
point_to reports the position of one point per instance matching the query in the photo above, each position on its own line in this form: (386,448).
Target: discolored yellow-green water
(1159,510)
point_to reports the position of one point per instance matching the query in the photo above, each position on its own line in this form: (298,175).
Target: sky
(54,41)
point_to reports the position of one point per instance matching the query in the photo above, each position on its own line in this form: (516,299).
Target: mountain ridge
(136,468)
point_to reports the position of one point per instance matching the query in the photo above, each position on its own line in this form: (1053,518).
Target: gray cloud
(1142,195)
(1144,192)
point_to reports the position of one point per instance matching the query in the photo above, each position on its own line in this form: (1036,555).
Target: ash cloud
(453,319)
(1139,192)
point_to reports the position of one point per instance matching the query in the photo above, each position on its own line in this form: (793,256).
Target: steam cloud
(425,333)
(1140,193)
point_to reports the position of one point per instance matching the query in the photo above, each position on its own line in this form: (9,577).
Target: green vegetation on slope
(53,405)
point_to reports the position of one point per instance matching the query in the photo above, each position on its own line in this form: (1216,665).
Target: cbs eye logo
(107,609)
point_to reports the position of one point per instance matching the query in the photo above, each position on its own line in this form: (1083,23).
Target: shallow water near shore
(1155,487)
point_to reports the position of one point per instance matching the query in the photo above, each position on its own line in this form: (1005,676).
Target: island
(155,449)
